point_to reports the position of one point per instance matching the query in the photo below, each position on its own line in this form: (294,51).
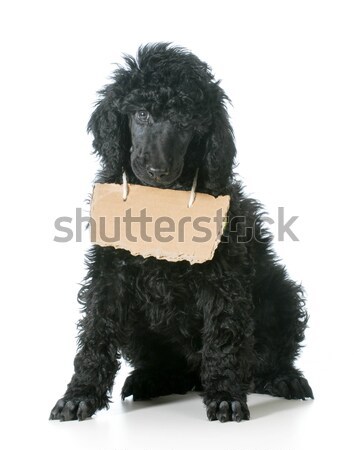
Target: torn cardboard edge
(158,222)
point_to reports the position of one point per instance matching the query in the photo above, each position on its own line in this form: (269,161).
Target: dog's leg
(96,362)
(280,323)
(95,365)
(227,356)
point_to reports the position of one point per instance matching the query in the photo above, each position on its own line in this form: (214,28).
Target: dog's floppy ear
(110,129)
(220,150)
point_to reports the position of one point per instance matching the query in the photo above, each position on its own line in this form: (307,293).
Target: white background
(288,68)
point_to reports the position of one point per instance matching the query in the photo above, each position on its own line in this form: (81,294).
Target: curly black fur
(227,327)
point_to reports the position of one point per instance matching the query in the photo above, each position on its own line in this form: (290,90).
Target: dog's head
(161,118)
(158,149)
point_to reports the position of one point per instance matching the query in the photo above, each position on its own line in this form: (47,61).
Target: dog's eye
(142,115)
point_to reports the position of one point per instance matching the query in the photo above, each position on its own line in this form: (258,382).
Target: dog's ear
(220,151)
(110,129)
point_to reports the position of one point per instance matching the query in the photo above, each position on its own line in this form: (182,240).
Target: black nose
(157,174)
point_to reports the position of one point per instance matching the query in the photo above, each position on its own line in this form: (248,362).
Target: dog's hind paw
(144,384)
(74,409)
(289,387)
(227,410)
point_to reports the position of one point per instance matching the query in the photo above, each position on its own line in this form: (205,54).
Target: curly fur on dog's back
(226,327)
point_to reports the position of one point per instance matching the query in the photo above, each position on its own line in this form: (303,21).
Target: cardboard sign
(158,222)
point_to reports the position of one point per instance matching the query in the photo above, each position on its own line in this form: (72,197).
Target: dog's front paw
(73,409)
(226,409)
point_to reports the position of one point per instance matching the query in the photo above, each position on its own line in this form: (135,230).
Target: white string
(194,185)
(191,197)
(125,186)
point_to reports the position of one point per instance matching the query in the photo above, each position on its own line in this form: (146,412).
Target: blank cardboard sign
(158,222)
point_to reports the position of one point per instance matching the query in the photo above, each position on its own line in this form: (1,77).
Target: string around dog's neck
(191,197)
(193,190)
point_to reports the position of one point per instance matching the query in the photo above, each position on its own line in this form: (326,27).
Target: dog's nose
(157,174)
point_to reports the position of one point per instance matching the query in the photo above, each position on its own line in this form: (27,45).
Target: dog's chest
(167,300)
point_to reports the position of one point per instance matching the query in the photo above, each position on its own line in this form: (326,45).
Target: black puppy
(227,327)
